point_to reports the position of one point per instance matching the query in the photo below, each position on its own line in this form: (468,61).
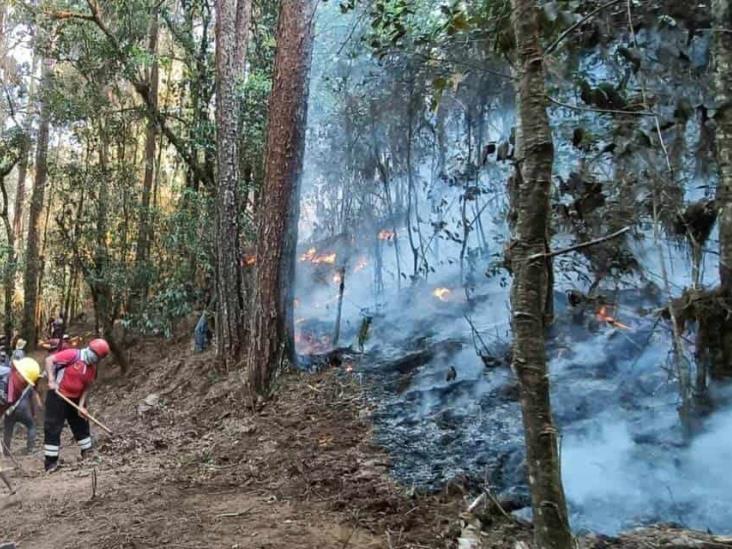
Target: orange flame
(603,315)
(386,234)
(249,260)
(443,294)
(316,258)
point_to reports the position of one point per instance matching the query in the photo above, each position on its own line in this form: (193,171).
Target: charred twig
(341,287)
(476,334)
(93,483)
(579,246)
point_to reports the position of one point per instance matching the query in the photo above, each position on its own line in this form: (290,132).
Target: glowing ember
(249,260)
(316,258)
(386,234)
(443,294)
(361,264)
(603,315)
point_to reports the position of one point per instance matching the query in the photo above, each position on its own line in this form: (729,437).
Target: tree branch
(579,246)
(61,15)
(602,111)
(151,109)
(579,23)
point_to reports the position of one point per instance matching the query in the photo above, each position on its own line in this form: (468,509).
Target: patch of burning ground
(444,413)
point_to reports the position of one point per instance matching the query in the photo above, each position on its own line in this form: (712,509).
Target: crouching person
(70,373)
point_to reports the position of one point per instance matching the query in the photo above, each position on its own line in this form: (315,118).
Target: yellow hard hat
(28,369)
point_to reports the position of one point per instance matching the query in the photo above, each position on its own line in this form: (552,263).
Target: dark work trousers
(22,414)
(57,413)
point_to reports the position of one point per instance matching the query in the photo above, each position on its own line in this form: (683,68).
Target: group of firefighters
(69,373)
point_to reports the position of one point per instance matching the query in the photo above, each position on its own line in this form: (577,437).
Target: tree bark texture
(232,29)
(272,316)
(531,285)
(144,230)
(722,14)
(33,260)
(24,161)
(10,264)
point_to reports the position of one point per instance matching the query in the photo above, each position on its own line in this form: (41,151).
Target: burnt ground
(193,467)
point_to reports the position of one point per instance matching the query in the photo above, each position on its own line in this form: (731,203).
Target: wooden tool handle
(89,416)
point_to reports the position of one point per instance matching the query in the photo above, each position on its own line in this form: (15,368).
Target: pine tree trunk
(144,232)
(10,263)
(232,28)
(20,188)
(531,285)
(272,316)
(24,161)
(33,260)
(722,13)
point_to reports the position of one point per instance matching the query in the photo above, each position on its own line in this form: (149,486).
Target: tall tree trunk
(24,160)
(10,262)
(232,29)
(531,285)
(144,232)
(272,314)
(722,13)
(105,308)
(32,268)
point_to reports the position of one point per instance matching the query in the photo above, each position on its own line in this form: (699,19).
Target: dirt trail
(191,467)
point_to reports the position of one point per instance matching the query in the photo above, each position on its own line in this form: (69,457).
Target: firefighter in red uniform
(70,372)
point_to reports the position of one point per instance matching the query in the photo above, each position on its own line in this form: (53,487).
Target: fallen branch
(476,502)
(579,246)
(235,514)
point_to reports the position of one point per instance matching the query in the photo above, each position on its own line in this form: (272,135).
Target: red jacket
(73,375)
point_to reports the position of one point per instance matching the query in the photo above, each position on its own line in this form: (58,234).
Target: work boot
(51,467)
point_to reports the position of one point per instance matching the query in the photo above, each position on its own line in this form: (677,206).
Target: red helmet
(100,347)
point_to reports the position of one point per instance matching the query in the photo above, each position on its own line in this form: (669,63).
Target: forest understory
(189,466)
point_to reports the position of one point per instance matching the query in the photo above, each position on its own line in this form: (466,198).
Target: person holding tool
(16,381)
(70,375)
(24,412)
